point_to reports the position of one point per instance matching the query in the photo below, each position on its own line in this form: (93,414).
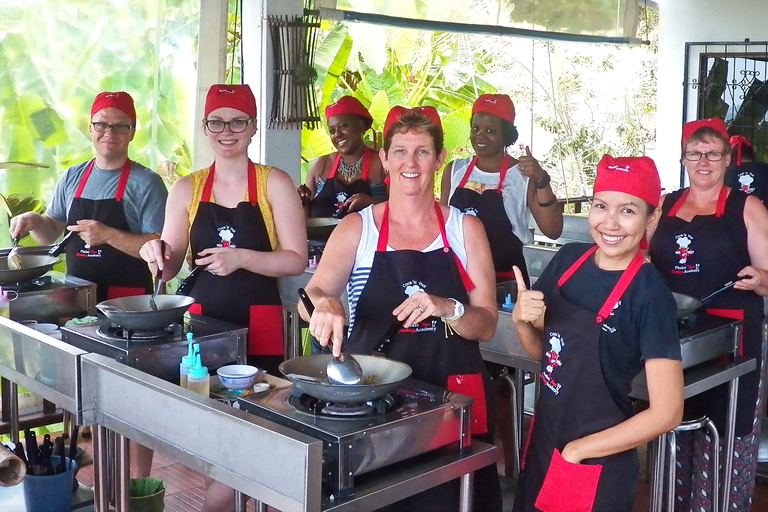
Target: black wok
(687,304)
(136,312)
(383,375)
(320,228)
(32,266)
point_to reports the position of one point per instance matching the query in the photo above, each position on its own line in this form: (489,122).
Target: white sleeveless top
(515,188)
(369,240)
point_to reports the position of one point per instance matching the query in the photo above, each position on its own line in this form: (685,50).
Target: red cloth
(396,113)
(118,292)
(636,176)
(568,487)
(499,105)
(351,106)
(239,97)
(472,386)
(120,100)
(715,123)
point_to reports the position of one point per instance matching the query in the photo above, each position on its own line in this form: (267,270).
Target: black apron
(436,356)
(749,177)
(242,297)
(698,257)
(330,200)
(575,402)
(115,273)
(506,247)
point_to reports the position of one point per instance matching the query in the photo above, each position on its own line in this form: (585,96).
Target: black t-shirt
(749,177)
(643,326)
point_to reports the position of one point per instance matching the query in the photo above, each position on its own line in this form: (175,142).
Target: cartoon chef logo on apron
(471,211)
(604,326)
(226,233)
(426,325)
(684,251)
(341,198)
(553,362)
(745,181)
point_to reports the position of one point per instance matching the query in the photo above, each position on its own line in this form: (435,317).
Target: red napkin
(568,487)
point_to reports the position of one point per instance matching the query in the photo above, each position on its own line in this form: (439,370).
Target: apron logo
(471,211)
(226,233)
(89,252)
(745,180)
(423,326)
(604,326)
(553,362)
(341,198)
(683,252)
(622,168)
(412,287)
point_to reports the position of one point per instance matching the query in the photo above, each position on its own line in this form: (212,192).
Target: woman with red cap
(351,178)
(412,261)
(745,173)
(244,226)
(710,234)
(502,200)
(596,317)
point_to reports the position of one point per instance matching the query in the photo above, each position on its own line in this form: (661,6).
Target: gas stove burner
(314,406)
(111,331)
(687,323)
(39,283)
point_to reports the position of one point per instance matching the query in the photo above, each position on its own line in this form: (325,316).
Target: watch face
(458,309)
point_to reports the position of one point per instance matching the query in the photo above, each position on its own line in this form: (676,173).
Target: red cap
(120,100)
(636,176)
(397,112)
(715,123)
(499,105)
(239,97)
(348,105)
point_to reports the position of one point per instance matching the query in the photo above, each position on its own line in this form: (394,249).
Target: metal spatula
(158,284)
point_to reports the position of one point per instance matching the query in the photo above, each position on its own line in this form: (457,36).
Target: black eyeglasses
(712,156)
(120,129)
(235,125)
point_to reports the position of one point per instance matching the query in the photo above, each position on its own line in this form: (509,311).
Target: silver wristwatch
(458,312)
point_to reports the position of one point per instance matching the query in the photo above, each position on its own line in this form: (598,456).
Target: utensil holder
(50,493)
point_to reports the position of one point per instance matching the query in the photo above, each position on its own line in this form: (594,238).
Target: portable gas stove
(361,438)
(159,352)
(52,297)
(704,337)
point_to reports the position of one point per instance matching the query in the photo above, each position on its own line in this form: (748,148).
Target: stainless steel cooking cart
(274,464)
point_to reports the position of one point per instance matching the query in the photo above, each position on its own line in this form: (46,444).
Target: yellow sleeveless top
(262,173)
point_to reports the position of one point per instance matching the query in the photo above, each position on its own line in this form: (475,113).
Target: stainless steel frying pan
(136,312)
(687,304)
(32,266)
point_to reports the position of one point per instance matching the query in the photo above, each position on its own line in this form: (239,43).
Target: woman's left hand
(569,453)
(219,261)
(749,278)
(420,306)
(530,167)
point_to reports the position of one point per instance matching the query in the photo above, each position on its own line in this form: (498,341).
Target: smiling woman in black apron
(597,316)
(351,178)
(428,266)
(499,189)
(710,234)
(244,225)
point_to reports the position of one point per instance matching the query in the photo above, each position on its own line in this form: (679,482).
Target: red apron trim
(527,441)
(124,173)
(116,292)
(568,487)
(506,274)
(196,309)
(734,314)
(472,386)
(505,164)
(365,168)
(205,196)
(573,268)
(719,209)
(265,330)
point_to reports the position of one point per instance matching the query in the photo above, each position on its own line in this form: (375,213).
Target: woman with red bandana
(414,261)
(725,236)
(244,226)
(596,317)
(745,173)
(350,178)
(502,200)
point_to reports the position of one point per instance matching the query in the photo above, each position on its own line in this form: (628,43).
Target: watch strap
(544,183)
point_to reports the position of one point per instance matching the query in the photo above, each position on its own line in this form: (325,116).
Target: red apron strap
(335,166)
(568,273)
(205,196)
(366,162)
(505,162)
(123,180)
(81,185)
(252,190)
(381,246)
(468,284)
(719,209)
(467,172)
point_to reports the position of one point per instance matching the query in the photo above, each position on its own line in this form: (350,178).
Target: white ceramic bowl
(237,377)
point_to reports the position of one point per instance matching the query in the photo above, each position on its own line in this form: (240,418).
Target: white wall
(683,21)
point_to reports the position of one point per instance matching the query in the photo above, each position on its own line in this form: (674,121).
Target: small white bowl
(237,377)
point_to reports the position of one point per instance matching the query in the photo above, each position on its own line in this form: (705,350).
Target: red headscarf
(351,106)
(397,112)
(636,176)
(737,141)
(120,100)
(499,105)
(238,97)
(714,123)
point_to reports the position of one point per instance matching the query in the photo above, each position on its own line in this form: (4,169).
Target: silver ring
(213,272)
(420,308)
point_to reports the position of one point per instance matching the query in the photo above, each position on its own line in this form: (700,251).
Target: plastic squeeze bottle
(188,360)
(198,379)
(5,305)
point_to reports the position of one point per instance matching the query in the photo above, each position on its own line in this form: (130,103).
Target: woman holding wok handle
(428,266)
(710,234)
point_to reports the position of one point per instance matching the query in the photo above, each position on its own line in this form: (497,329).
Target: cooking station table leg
(100,469)
(733,388)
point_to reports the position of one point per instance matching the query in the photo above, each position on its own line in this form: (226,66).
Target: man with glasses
(113,206)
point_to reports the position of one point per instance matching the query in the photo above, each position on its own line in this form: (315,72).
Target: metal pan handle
(306,301)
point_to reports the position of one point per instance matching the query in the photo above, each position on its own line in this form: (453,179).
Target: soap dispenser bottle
(198,379)
(5,305)
(187,361)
